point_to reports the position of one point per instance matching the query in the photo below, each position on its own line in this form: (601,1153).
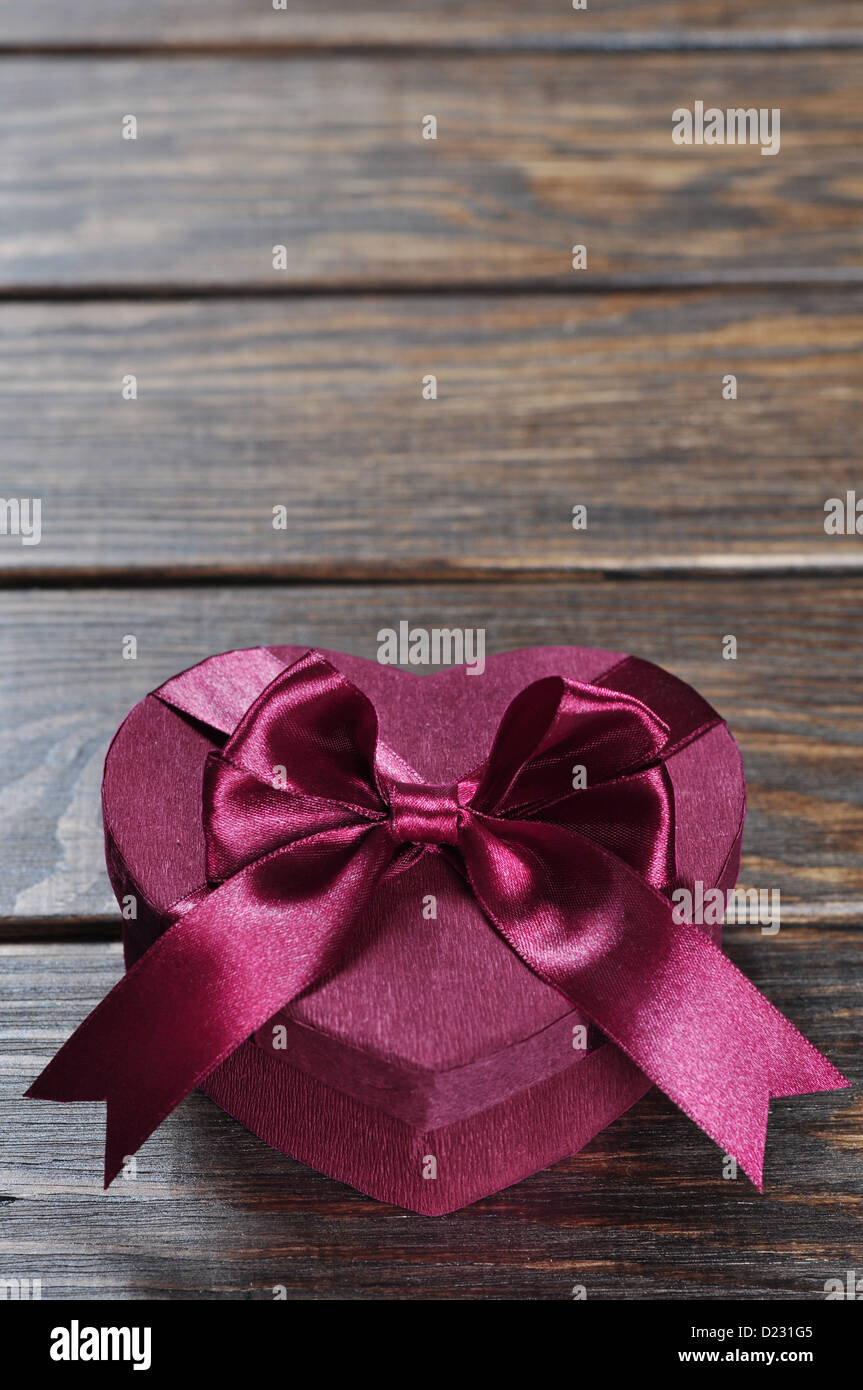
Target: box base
(426,1171)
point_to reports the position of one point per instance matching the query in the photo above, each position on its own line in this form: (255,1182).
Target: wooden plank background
(543,402)
(391,23)
(303,388)
(324,155)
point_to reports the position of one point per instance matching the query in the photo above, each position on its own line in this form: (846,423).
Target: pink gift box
(431,1067)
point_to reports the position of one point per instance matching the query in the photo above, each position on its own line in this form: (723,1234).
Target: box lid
(429,1018)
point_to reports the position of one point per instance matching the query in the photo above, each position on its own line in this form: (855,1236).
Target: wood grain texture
(792,698)
(643,1212)
(441,22)
(324,155)
(543,402)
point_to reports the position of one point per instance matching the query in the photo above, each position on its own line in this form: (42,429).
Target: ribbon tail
(763,1056)
(212,979)
(80,1072)
(589,925)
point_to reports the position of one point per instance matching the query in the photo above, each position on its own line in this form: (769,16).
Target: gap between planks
(435,572)
(587,285)
(631,44)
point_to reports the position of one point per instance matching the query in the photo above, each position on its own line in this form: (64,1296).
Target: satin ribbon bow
(305,811)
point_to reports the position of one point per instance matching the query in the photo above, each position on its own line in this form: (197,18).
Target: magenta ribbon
(306,810)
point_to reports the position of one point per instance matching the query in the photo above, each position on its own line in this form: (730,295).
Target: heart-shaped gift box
(419,933)
(432,1066)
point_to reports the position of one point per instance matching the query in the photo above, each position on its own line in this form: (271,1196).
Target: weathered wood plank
(325,156)
(394,22)
(792,698)
(613,402)
(643,1212)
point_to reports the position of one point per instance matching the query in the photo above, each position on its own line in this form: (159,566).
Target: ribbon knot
(424,815)
(574,872)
